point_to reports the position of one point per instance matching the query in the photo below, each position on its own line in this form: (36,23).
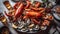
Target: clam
(28,22)
(30,30)
(30,27)
(21,25)
(36,27)
(43,27)
(24,29)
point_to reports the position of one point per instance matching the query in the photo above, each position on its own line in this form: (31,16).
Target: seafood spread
(29,17)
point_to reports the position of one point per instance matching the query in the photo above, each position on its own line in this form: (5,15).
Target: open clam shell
(43,27)
(36,27)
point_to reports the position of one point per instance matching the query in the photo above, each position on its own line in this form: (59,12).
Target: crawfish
(33,16)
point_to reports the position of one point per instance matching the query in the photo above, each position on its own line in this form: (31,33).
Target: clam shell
(36,27)
(43,27)
(24,29)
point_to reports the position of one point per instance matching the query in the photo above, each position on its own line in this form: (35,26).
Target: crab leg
(28,4)
(19,11)
(36,8)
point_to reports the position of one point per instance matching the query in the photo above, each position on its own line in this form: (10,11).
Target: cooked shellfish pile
(28,17)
